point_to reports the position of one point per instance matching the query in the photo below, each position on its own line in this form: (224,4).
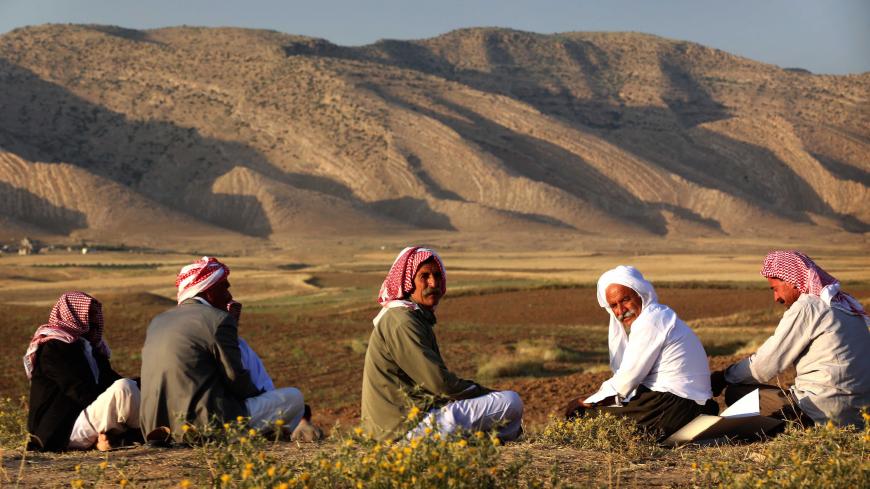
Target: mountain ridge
(267,135)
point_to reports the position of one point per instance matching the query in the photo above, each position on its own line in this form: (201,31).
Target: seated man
(250,360)
(403,362)
(660,370)
(192,369)
(76,399)
(823,333)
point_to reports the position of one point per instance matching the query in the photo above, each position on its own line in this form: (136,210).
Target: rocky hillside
(107,131)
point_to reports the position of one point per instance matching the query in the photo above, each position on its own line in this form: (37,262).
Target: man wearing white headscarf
(660,369)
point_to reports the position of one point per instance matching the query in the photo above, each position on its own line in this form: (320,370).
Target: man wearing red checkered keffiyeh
(75,395)
(196,369)
(399,284)
(797,269)
(403,361)
(823,334)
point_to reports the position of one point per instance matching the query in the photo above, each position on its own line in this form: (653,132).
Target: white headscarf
(617,338)
(681,366)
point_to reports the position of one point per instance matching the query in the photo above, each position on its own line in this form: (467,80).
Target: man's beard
(626,315)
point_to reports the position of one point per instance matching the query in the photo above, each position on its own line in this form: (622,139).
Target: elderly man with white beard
(660,370)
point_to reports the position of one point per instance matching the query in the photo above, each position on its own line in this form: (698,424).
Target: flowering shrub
(238,457)
(602,432)
(13,423)
(821,456)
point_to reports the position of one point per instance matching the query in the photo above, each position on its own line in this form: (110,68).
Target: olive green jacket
(403,354)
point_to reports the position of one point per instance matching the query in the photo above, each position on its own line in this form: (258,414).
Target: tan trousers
(115,410)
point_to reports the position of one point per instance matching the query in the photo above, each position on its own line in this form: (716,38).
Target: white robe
(661,352)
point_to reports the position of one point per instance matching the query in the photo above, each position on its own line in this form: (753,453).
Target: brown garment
(661,413)
(773,402)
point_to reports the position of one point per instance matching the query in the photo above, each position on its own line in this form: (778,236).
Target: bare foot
(103,443)
(306,431)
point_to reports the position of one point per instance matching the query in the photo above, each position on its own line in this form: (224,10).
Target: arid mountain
(107,131)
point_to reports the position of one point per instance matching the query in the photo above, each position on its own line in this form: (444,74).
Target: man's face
(783,292)
(427,285)
(218,295)
(625,303)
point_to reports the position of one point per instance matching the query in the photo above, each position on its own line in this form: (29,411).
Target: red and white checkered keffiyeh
(400,280)
(69,320)
(801,271)
(199,276)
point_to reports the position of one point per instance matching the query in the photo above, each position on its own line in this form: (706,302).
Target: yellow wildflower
(348,442)
(77,483)
(103,465)
(243,439)
(412,414)
(184,484)
(270,471)
(226,478)
(358,431)
(226,426)
(240,419)
(338,464)
(279,423)
(185,427)
(123,482)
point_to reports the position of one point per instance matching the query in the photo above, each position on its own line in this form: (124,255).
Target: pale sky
(822,36)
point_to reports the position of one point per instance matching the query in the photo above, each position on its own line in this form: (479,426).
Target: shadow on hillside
(176,166)
(712,158)
(124,33)
(35,210)
(416,211)
(843,171)
(531,157)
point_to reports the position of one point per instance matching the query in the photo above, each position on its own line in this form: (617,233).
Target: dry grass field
(527,321)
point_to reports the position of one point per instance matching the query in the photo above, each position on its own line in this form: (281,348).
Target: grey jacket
(192,369)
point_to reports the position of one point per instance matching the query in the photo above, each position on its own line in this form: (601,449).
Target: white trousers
(116,409)
(502,410)
(285,403)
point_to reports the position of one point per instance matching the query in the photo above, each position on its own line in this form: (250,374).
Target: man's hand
(235,310)
(573,406)
(718,382)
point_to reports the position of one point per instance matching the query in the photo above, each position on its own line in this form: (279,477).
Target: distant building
(28,246)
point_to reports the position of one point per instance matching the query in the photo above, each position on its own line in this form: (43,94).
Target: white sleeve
(252,363)
(644,347)
(789,340)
